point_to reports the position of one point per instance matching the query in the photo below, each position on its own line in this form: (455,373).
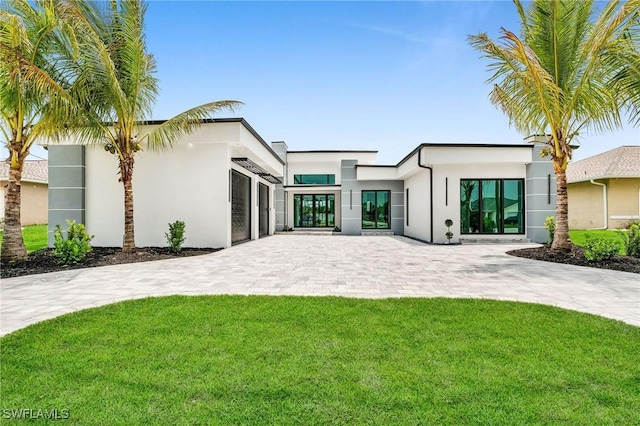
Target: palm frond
(163,136)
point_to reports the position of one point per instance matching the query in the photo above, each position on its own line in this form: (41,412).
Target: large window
(314,211)
(376,209)
(492,206)
(314,179)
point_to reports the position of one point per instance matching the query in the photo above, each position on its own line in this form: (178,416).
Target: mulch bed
(42,261)
(576,257)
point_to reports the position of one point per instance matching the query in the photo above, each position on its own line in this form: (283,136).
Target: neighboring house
(34,192)
(228,185)
(604,190)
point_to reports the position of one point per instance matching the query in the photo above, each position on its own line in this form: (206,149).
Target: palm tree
(122,90)
(556,78)
(35,85)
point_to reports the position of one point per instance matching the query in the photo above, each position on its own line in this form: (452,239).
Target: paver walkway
(372,267)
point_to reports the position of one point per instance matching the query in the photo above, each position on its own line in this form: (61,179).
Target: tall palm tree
(556,78)
(121,91)
(35,84)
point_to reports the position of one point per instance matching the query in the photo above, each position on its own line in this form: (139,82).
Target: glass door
(314,211)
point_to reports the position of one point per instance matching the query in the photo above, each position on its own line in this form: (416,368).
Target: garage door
(263,204)
(240,207)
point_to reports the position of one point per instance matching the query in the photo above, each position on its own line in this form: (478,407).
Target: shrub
(75,246)
(175,237)
(631,240)
(550,224)
(337,229)
(596,249)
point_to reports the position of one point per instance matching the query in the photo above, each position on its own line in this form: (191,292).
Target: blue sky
(341,75)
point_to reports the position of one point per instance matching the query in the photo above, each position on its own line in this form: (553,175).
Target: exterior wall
(352,201)
(585,206)
(586,203)
(321,162)
(34,199)
(540,190)
(66,186)
(624,201)
(165,189)
(418,208)
(191,183)
(280,148)
(446,195)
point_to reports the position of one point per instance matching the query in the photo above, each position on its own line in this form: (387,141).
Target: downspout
(604,202)
(430,191)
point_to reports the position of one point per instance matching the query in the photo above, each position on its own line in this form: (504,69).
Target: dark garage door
(263,205)
(240,207)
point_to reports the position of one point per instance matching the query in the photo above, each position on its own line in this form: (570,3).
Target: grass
(294,360)
(35,237)
(579,237)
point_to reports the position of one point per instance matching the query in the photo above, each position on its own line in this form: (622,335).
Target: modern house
(34,191)
(228,185)
(604,190)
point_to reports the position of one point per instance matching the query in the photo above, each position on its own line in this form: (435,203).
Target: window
(375,209)
(492,206)
(314,179)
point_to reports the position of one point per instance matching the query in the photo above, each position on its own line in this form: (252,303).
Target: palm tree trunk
(12,243)
(126,176)
(561,241)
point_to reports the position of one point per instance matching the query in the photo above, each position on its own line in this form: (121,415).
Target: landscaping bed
(576,257)
(43,261)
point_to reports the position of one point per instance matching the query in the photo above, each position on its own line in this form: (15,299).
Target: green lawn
(579,237)
(35,237)
(293,360)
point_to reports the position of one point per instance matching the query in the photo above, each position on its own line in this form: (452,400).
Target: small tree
(448,223)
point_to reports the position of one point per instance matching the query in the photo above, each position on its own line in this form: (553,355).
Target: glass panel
(314,179)
(297,204)
(368,209)
(469,207)
(331,210)
(513,207)
(491,210)
(382,213)
(321,211)
(307,211)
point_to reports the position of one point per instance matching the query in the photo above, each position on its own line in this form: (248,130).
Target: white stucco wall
(450,209)
(320,162)
(418,208)
(188,183)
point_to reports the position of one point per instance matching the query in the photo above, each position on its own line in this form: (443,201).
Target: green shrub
(550,224)
(75,246)
(596,249)
(631,240)
(175,236)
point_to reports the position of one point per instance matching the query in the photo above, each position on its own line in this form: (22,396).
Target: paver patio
(369,267)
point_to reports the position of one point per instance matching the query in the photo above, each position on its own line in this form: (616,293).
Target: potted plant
(448,223)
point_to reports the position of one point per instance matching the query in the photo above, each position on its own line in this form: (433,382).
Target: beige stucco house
(35,191)
(604,190)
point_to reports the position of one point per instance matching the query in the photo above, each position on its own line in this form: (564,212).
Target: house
(34,191)
(228,185)
(604,190)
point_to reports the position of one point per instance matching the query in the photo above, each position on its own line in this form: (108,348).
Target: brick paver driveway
(373,267)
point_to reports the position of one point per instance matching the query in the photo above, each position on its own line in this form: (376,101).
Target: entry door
(240,207)
(263,205)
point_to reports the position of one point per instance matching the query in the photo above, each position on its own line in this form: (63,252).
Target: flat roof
(332,151)
(463,145)
(228,120)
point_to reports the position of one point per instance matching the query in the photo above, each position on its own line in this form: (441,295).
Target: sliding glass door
(314,210)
